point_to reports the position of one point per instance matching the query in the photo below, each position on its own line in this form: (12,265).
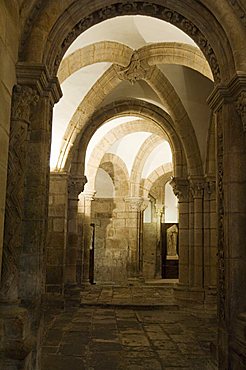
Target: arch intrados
(148,183)
(139,162)
(70,20)
(115,161)
(144,110)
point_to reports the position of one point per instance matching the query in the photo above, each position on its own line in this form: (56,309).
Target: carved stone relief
(24,98)
(180,188)
(136,70)
(241,108)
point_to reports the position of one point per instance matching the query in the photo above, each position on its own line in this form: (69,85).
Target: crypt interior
(123,184)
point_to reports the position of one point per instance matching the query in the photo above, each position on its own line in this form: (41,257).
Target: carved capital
(135,203)
(197,187)
(136,70)
(76,186)
(24,97)
(210,186)
(241,108)
(180,188)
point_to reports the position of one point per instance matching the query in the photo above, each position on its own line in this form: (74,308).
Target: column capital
(234,92)
(197,186)
(76,186)
(210,185)
(24,97)
(135,203)
(37,76)
(180,188)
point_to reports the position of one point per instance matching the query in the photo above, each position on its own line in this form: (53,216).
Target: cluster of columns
(196,195)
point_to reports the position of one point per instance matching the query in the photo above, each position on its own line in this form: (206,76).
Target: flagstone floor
(128,328)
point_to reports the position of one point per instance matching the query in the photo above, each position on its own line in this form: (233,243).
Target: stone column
(57,236)
(133,223)
(210,243)
(229,103)
(88,198)
(197,190)
(75,187)
(181,190)
(160,211)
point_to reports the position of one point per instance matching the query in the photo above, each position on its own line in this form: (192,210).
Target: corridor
(128,328)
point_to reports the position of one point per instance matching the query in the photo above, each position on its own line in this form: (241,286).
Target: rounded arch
(117,53)
(163,88)
(109,139)
(138,165)
(144,110)
(117,170)
(67,21)
(164,170)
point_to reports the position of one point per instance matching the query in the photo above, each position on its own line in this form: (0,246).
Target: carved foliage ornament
(76,186)
(180,189)
(148,9)
(135,203)
(197,188)
(241,108)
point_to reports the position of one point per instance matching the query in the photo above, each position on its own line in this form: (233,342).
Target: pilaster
(229,104)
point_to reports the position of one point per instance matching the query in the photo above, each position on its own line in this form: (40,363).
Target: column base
(16,341)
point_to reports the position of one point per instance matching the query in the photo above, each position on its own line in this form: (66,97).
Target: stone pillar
(197,190)
(57,236)
(75,187)
(88,198)
(229,103)
(181,190)
(133,223)
(160,211)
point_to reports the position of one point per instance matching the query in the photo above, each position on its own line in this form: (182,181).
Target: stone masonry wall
(111,240)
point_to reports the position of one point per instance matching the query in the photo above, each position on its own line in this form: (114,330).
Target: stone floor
(128,328)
